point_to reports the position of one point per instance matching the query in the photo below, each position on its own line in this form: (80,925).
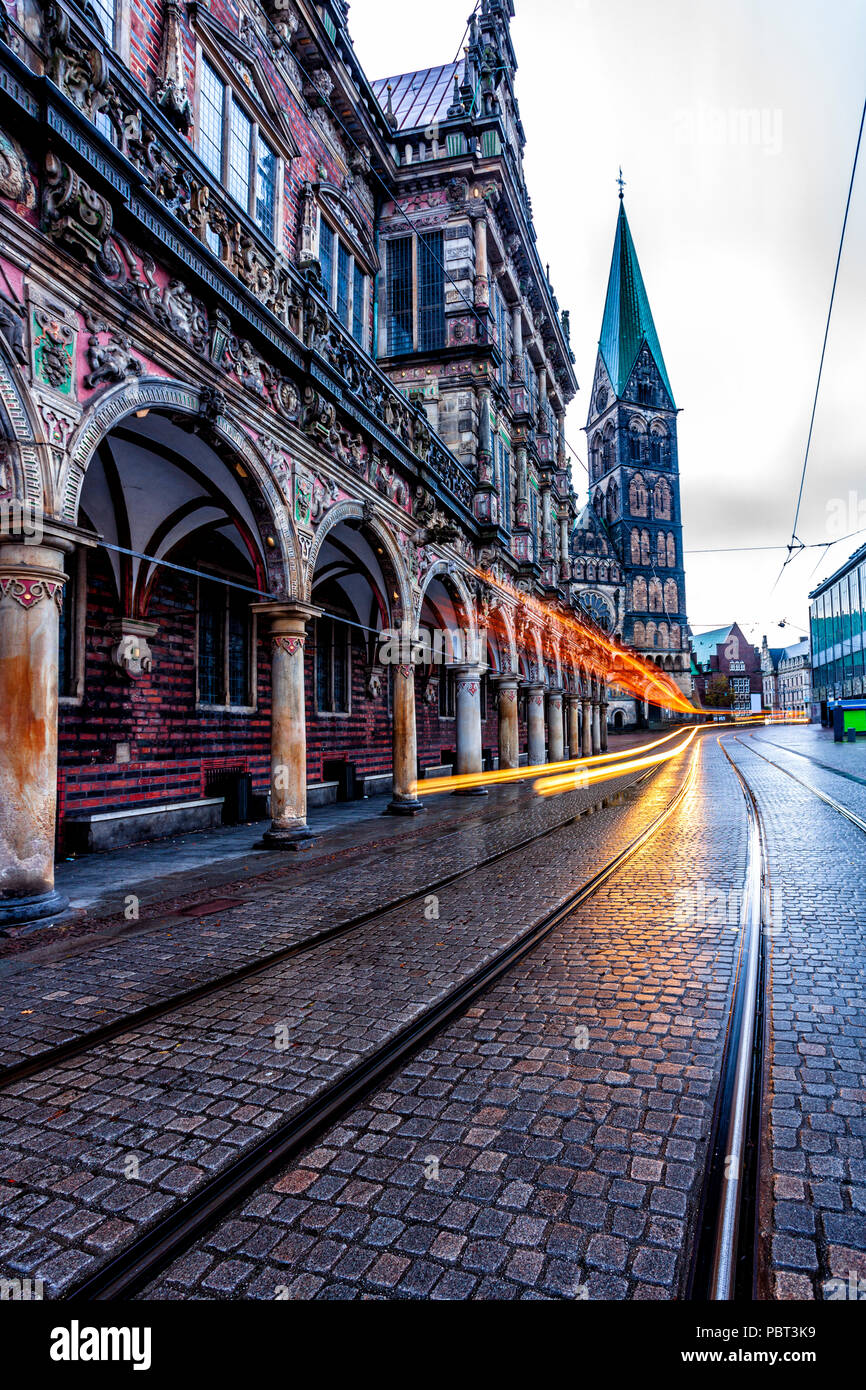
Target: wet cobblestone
(144,1120)
(815,1178)
(503,1161)
(45,1004)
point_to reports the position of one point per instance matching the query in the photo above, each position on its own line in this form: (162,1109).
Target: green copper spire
(628,318)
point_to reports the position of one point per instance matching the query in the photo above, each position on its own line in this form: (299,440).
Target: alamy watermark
(21,520)
(443,646)
(740,126)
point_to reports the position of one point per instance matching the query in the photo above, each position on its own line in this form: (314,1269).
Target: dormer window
(232,146)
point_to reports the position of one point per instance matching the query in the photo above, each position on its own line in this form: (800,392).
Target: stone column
(574,726)
(468,682)
(603,724)
(404,801)
(586,750)
(546,520)
(596,727)
(556,732)
(482,281)
(289,830)
(509,739)
(522,486)
(517,342)
(564,556)
(535,725)
(31,595)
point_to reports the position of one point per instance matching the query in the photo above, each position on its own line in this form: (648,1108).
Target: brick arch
(228,441)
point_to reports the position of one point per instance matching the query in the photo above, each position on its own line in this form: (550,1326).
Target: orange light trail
(619,665)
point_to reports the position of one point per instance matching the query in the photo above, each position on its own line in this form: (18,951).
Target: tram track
(133,1267)
(724,1265)
(81,1043)
(822,796)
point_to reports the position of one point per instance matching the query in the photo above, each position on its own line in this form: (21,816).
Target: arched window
(590,570)
(607,454)
(635,547)
(662,500)
(596,458)
(579,570)
(661,550)
(650,634)
(645,548)
(639,636)
(672,551)
(663,635)
(675,636)
(637,496)
(602,574)
(672,599)
(634,446)
(655,596)
(638,595)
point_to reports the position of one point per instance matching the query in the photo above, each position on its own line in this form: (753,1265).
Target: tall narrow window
(326,257)
(505,485)
(224,646)
(431,292)
(105,14)
(266,188)
(211,644)
(359,295)
(343,260)
(400,337)
(240,150)
(210,132)
(333,667)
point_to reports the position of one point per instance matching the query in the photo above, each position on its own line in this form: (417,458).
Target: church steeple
(628,320)
(634,484)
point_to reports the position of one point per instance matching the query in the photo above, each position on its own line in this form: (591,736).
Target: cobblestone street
(551,1141)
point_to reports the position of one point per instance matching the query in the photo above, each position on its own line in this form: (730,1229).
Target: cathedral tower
(634,490)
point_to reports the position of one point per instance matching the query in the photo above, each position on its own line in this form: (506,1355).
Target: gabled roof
(418,99)
(796,649)
(704,644)
(628,320)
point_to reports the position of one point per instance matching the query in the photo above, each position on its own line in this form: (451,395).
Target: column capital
(505,680)
(278,610)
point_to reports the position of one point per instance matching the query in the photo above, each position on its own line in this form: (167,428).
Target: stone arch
(453,579)
(358,511)
(162,396)
(25,472)
(509,644)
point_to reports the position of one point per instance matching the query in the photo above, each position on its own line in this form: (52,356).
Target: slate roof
(704,643)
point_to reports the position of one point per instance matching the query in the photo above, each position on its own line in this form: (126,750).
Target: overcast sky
(735,125)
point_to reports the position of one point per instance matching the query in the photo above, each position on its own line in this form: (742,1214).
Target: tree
(718,694)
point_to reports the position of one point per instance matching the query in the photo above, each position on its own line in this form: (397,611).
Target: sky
(735,125)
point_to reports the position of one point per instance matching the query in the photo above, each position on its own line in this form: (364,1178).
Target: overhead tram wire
(795,545)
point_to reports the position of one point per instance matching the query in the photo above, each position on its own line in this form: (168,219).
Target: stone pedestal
(405,800)
(556,732)
(289,829)
(31,596)
(573,726)
(468,689)
(509,738)
(535,725)
(586,736)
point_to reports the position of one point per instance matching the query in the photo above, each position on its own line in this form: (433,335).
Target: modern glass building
(838,635)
